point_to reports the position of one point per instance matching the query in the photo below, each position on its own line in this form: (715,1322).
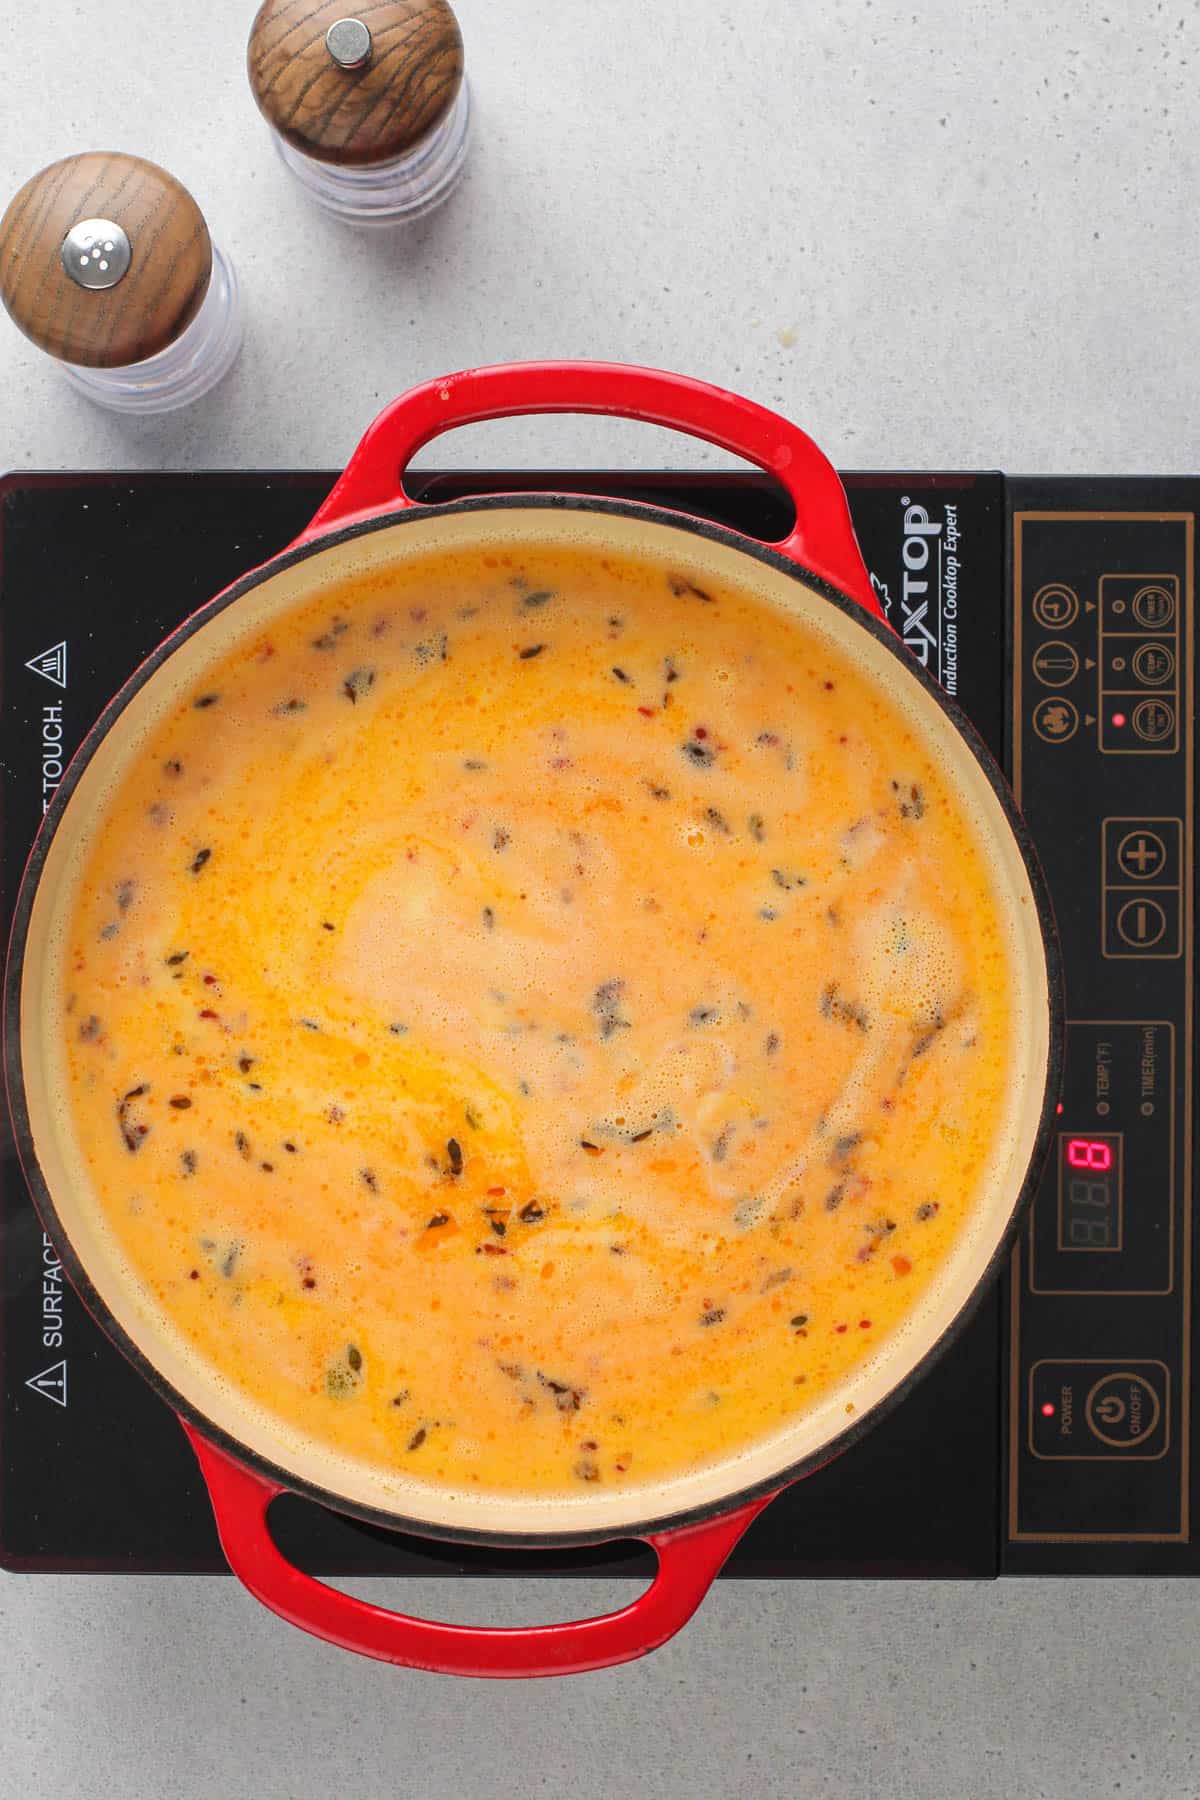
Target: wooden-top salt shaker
(107,265)
(370,111)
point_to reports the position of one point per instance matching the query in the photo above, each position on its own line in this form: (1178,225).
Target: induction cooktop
(1055,1435)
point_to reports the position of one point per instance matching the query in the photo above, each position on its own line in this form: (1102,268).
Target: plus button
(1141,855)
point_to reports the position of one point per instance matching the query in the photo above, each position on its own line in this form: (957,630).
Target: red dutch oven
(693,1520)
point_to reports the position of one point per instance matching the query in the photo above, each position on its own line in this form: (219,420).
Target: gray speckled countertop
(952,233)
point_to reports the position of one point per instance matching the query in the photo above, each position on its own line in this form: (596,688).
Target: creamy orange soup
(536,1021)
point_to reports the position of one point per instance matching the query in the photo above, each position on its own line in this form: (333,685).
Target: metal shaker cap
(104,259)
(355,90)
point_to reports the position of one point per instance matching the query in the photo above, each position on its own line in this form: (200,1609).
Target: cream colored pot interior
(289,1450)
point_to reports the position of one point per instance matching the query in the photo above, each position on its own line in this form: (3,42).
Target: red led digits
(1089,1153)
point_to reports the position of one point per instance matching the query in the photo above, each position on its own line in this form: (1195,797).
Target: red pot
(692,1521)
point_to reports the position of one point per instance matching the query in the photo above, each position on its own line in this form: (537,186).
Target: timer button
(1154,606)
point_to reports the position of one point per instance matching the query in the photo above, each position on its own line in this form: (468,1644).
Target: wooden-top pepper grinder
(371,113)
(107,265)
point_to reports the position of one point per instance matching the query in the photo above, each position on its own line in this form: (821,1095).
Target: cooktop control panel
(1102,760)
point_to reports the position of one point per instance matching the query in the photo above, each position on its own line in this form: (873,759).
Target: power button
(1122,1409)
(1092,1410)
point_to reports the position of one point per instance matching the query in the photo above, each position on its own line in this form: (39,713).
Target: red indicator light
(1058,1108)
(1089,1153)
(1048,1409)
(1118,718)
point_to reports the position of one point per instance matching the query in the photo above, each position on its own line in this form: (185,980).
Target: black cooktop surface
(1055,1435)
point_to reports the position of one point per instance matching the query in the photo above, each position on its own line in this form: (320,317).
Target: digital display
(1089,1191)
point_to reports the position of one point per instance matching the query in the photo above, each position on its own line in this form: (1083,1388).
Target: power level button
(1154,721)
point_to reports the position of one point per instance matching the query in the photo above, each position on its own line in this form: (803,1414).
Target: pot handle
(822,539)
(688,1560)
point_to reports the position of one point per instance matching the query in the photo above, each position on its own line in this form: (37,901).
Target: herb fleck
(566,1398)
(132,1131)
(329,638)
(606,1006)
(834,1006)
(703,755)
(199,860)
(679,585)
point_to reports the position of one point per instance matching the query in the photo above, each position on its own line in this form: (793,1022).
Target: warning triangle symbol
(52,664)
(51,1384)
